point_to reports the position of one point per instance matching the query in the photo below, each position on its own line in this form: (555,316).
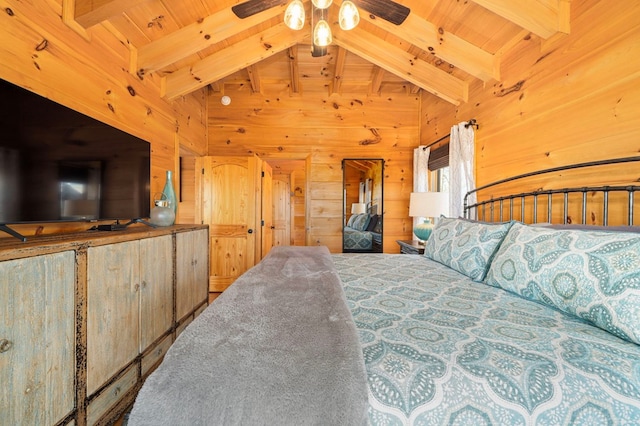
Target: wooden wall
(572,99)
(325,129)
(40,53)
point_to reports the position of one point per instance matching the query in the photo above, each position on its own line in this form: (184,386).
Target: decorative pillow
(372,223)
(351,220)
(361,221)
(589,274)
(465,246)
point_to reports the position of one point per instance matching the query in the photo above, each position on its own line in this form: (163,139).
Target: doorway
(289,202)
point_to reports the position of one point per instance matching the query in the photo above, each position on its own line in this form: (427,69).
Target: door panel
(267,208)
(230,188)
(281,213)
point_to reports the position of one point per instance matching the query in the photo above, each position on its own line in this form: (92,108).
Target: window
(439,169)
(439,180)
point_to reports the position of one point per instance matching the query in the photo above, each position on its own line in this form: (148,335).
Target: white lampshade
(294,15)
(427,205)
(358,208)
(322,34)
(348,15)
(322,4)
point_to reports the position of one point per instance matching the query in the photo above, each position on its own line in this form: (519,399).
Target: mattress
(440,348)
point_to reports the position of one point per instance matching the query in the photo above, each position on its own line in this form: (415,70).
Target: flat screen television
(57,164)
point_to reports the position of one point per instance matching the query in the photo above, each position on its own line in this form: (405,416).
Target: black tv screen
(57,164)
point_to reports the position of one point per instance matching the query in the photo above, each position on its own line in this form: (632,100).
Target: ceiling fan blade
(385,9)
(251,7)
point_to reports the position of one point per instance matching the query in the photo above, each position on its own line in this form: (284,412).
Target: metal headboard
(505,205)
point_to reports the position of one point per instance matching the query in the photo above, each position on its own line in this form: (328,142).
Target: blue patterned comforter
(357,240)
(440,348)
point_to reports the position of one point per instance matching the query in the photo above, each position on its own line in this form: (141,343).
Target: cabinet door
(37,331)
(192,270)
(156,288)
(113,281)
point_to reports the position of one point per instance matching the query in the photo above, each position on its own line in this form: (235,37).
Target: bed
(363,233)
(498,323)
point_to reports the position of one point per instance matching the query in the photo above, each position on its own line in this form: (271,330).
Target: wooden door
(113,321)
(281,213)
(230,204)
(267,209)
(156,288)
(37,331)
(192,270)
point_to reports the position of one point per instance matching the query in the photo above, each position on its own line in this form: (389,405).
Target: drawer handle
(5,345)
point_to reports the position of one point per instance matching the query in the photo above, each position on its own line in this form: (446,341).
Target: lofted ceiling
(441,47)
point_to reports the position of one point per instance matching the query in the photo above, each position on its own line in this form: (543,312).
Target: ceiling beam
(193,38)
(88,13)
(254,78)
(544,18)
(229,60)
(338,73)
(403,64)
(376,80)
(294,71)
(446,46)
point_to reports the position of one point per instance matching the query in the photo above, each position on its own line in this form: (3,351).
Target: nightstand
(411,247)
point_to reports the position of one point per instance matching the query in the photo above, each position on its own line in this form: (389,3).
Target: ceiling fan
(388,10)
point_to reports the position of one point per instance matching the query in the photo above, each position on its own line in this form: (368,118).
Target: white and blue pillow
(360,222)
(465,246)
(592,275)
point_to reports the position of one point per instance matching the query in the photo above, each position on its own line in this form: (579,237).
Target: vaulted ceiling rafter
(227,61)
(254,78)
(544,18)
(376,80)
(404,65)
(338,73)
(446,46)
(294,69)
(194,38)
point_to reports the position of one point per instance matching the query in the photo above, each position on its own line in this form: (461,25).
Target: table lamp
(358,208)
(427,205)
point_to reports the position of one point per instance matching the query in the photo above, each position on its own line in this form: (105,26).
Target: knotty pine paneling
(326,129)
(572,99)
(42,54)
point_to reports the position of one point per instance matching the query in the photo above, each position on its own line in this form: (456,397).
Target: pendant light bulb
(322,34)
(322,4)
(348,15)
(294,15)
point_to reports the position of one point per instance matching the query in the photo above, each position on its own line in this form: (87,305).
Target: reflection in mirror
(362,205)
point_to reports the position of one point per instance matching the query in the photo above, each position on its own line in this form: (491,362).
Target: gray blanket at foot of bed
(279,346)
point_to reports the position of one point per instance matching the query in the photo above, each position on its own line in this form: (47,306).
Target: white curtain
(461,161)
(420,174)
(421,169)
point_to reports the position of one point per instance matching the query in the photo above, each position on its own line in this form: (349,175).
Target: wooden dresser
(85,317)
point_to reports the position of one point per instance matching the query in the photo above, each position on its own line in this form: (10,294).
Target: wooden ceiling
(441,47)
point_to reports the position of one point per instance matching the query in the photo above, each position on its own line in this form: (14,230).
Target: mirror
(362,210)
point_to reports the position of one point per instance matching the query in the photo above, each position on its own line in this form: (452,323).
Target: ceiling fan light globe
(322,34)
(294,15)
(322,4)
(348,16)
